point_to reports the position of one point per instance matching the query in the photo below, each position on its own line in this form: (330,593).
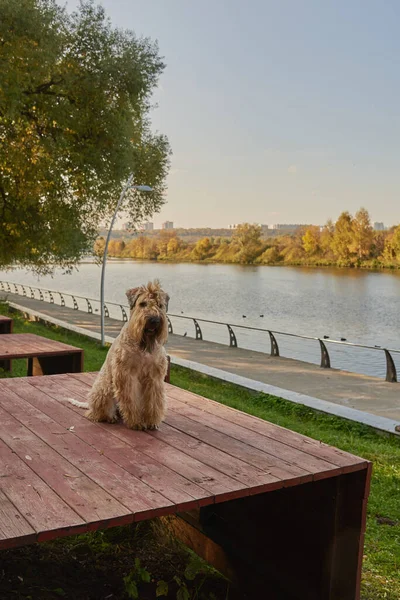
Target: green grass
(381,569)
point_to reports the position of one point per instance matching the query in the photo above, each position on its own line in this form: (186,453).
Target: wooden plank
(253,478)
(13,525)
(203,546)
(87,379)
(20,345)
(227,466)
(276,467)
(130,491)
(252,456)
(15,346)
(270,446)
(85,497)
(213,481)
(350,522)
(170,484)
(269,430)
(209,476)
(46,343)
(31,496)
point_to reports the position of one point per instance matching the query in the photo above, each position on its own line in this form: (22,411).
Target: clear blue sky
(276,110)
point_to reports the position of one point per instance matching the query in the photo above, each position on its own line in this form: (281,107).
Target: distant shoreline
(361,267)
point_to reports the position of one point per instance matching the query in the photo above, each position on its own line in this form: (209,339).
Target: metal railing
(123,310)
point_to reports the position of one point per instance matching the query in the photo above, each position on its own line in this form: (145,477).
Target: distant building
(148,226)
(125,227)
(167,225)
(379,226)
(287,226)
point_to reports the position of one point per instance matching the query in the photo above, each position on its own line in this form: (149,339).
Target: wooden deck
(45,356)
(264,504)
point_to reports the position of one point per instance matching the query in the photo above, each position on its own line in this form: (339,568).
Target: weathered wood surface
(45,357)
(256,489)
(105,474)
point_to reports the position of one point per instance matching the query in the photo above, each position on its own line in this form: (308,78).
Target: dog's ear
(132,296)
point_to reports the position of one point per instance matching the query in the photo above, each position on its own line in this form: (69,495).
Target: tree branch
(44,88)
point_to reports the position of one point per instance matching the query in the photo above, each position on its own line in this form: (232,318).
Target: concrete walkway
(363,393)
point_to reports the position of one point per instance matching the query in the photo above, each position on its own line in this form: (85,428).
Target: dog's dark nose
(153,321)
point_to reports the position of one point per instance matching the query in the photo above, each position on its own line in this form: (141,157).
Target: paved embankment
(369,394)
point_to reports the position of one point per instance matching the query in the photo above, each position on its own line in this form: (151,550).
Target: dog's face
(148,318)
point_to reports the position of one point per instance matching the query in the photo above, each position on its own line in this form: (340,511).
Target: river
(361,306)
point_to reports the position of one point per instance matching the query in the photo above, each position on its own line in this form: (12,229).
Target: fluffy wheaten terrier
(131,380)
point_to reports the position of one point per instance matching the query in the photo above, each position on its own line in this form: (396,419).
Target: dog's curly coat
(131,380)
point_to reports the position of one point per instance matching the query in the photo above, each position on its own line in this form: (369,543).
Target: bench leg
(5,365)
(54,365)
(168,375)
(6,327)
(300,542)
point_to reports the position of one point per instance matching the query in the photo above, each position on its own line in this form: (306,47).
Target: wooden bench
(282,515)
(6,324)
(45,357)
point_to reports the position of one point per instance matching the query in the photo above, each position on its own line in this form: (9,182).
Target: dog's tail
(77,403)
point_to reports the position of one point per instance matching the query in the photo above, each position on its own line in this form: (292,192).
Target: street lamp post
(128,185)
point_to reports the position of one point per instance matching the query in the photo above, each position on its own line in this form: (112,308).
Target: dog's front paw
(113,419)
(100,418)
(152,427)
(137,427)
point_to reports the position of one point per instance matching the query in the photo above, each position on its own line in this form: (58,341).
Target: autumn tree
(202,249)
(74,123)
(173,245)
(311,240)
(163,241)
(116,247)
(99,245)
(391,252)
(246,234)
(343,236)
(246,240)
(326,236)
(270,256)
(362,234)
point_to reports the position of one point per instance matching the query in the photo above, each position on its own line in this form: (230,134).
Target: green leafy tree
(74,123)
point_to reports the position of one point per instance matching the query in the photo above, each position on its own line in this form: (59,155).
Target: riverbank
(110,556)
(351,242)
(371,265)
